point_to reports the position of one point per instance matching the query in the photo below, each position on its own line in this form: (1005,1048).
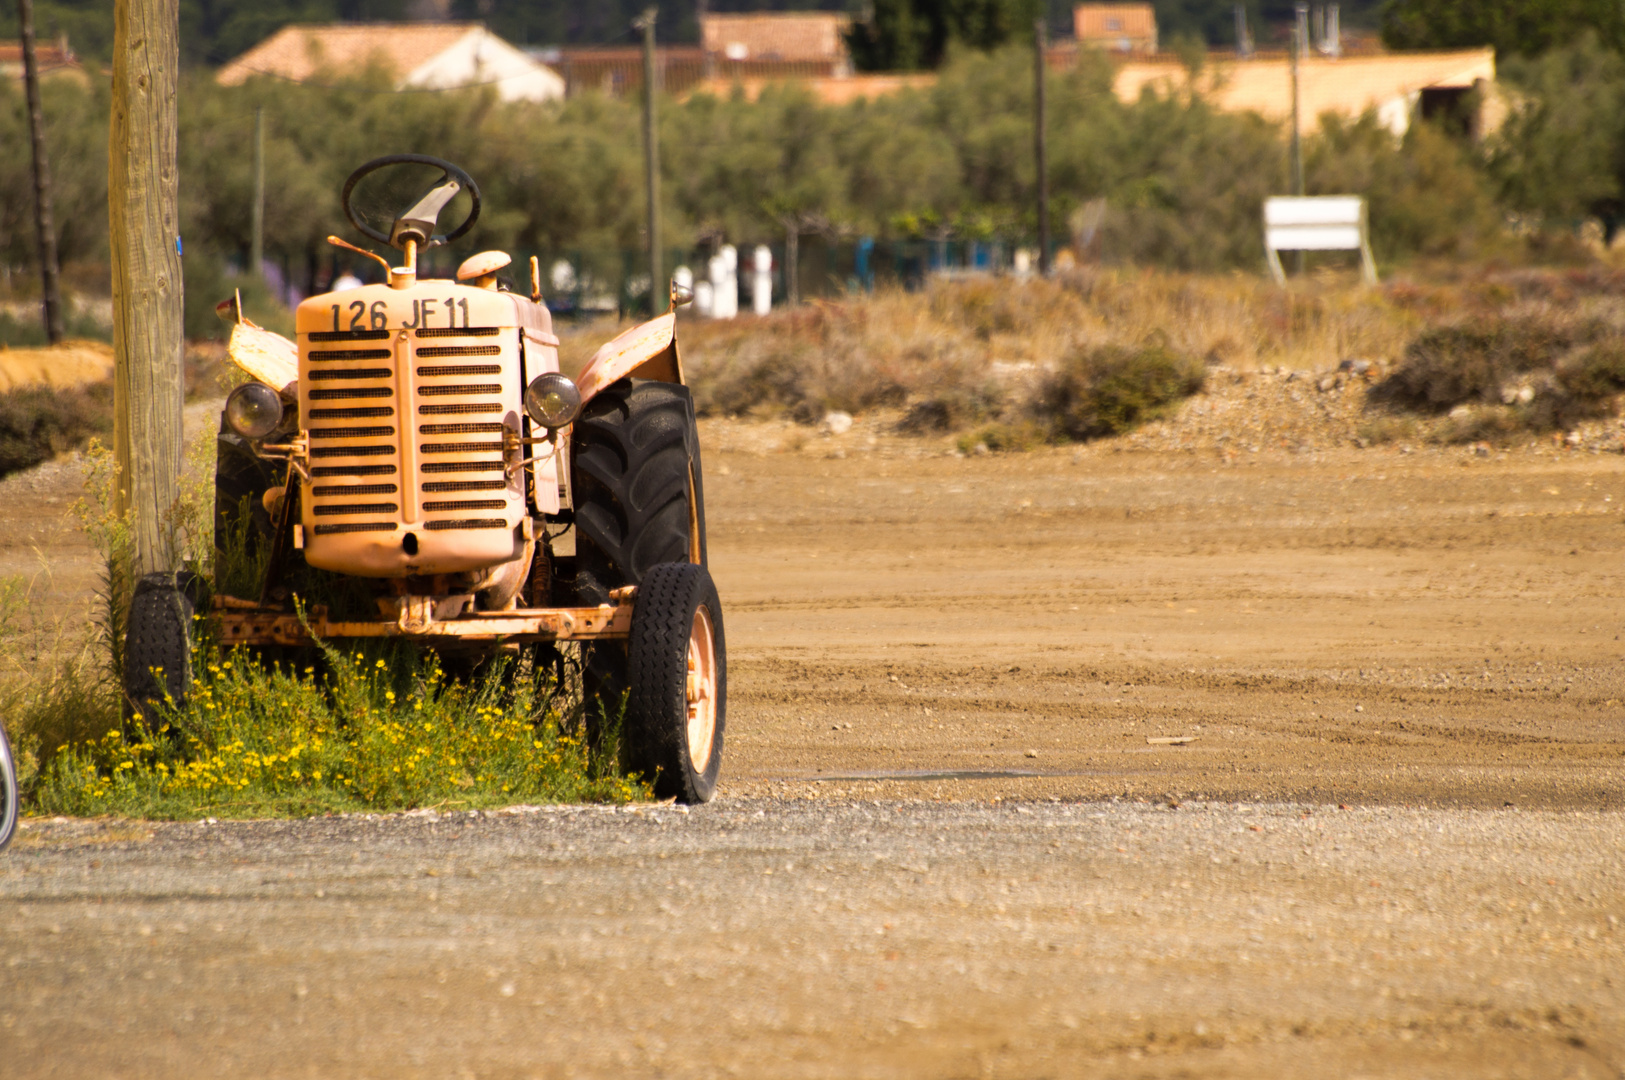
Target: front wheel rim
(8,791)
(700,690)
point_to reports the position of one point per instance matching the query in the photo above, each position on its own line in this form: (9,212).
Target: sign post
(1317,223)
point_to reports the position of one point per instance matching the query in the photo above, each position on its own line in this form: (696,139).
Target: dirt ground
(1359,626)
(946,843)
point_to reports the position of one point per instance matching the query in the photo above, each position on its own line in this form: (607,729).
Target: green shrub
(1594,374)
(30,333)
(1006,437)
(950,408)
(1472,361)
(39,422)
(1112,389)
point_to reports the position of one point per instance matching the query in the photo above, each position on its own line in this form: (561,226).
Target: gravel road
(758,937)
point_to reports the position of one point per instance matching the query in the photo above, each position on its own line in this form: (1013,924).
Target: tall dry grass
(1028,354)
(964,351)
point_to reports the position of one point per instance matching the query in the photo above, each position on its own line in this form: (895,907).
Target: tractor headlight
(552,400)
(253,410)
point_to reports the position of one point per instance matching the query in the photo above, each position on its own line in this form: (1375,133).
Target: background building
(431,56)
(1122,28)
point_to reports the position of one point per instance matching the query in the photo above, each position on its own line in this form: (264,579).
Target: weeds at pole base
(379,728)
(382,726)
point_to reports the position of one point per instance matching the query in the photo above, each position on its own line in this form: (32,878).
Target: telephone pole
(144,235)
(1300,41)
(1039,149)
(44,228)
(651,155)
(1300,33)
(256,243)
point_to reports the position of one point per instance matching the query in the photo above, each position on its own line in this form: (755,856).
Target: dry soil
(949,842)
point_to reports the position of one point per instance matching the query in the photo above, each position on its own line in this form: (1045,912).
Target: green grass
(384,728)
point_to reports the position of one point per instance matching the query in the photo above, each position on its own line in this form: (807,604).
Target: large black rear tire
(157,646)
(633,451)
(635,454)
(678,668)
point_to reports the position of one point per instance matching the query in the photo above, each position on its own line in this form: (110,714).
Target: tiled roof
(49,58)
(791,35)
(1112,22)
(298,52)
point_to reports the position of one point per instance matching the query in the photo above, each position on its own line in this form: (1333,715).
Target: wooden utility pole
(651,158)
(44,228)
(1300,41)
(1300,32)
(256,242)
(792,260)
(1039,149)
(144,234)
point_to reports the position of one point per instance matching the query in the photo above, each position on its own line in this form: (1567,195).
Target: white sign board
(1316,223)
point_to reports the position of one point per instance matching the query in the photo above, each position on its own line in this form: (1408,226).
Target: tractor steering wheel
(448,171)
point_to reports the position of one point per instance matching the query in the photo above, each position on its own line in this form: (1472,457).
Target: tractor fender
(267,356)
(646,351)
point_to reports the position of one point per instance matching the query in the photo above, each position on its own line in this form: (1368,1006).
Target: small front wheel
(677,666)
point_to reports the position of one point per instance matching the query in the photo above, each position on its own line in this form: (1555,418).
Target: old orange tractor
(419,441)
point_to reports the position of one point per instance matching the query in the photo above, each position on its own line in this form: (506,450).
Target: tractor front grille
(349,335)
(318,356)
(429,351)
(463,408)
(351,392)
(459,429)
(458,331)
(354,527)
(353,460)
(467,523)
(466,371)
(365,413)
(352,470)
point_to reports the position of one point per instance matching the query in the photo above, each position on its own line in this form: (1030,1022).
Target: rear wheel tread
(633,448)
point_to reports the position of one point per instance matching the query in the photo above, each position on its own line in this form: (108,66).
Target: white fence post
(1317,223)
(723,270)
(761,281)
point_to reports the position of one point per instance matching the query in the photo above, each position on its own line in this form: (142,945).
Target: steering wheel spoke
(418,222)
